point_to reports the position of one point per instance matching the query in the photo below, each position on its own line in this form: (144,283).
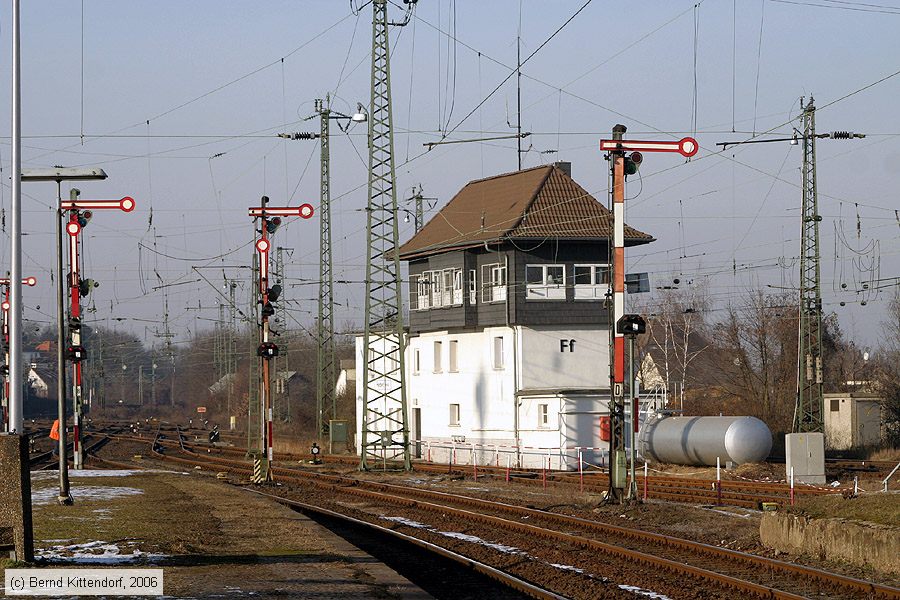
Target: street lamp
(59,174)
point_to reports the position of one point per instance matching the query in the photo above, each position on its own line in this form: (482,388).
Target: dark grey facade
(516,306)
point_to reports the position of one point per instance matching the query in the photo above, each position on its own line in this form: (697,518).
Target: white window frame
(447,287)
(417,361)
(453,356)
(543,414)
(423,292)
(497,353)
(547,289)
(454,420)
(473,286)
(438,357)
(457,287)
(595,290)
(436,288)
(493,282)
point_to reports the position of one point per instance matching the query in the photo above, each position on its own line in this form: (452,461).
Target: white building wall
(570,358)
(556,368)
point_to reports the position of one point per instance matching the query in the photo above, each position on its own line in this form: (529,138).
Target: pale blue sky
(630,63)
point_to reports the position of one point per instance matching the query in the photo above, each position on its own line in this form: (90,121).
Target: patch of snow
(642,592)
(727,513)
(567,568)
(94,553)
(407,522)
(86,492)
(477,540)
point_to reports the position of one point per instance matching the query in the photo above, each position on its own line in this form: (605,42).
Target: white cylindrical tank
(700,440)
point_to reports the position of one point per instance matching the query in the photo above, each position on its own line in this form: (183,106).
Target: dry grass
(874,508)
(891,454)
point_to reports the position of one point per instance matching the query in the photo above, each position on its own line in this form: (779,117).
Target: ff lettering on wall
(567,345)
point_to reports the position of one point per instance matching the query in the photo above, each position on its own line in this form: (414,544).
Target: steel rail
(502,577)
(339,483)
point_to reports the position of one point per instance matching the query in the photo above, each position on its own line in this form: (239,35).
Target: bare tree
(677,335)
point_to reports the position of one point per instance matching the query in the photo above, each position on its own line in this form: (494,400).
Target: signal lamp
(86,285)
(267,350)
(631,325)
(633,162)
(84,217)
(275,292)
(268,310)
(273,224)
(75,353)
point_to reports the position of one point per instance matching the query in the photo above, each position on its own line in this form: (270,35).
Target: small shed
(852,420)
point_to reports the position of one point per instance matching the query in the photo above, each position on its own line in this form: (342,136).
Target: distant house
(852,420)
(221,386)
(347,377)
(508,337)
(42,381)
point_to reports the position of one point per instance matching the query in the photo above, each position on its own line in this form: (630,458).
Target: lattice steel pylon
(808,416)
(326,401)
(384,427)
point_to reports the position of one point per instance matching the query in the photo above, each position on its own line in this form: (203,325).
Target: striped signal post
(79,213)
(269,221)
(621,165)
(4,390)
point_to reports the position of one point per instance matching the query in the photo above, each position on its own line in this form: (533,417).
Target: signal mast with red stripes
(4,368)
(80,212)
(269,221)
(621,165)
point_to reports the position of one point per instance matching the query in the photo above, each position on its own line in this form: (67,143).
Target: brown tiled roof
(533,203)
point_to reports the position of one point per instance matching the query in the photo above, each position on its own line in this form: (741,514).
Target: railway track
(745,494)
(599,551)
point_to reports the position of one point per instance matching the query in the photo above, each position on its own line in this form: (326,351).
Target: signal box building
(508,336)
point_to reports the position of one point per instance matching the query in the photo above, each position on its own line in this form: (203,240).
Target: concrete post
(15,498)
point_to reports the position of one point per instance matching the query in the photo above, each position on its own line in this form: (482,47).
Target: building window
(454,364)
(591,282)
(393,358)
(543,415)
(545,282)
(473,287)
(498,353)
(417,362)
(437,357)
(447,287)
(835,405)
(435,279)
(454,415)
(493,282)
(457,287)
(420,296)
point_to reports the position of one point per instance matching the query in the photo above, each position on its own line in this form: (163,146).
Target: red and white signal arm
(29,281)
(686,147)
(72,228)
(304,211)
(5,305)
(125,204)
(262,245)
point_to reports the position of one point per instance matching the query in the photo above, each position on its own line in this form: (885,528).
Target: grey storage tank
(700,440)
